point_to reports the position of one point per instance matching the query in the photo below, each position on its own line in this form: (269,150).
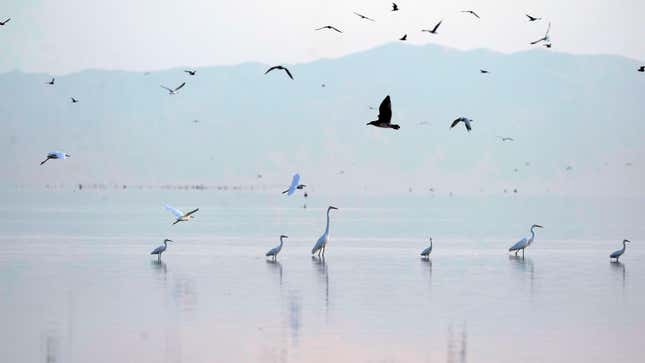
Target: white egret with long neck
(616,254)
(321,244)
(426,253)
(276,250)
(524,242)
(179,215)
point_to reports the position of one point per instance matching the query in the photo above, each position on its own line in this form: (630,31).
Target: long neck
(327,227)
(624,246)
(532,234)
(165,243)
(281,242)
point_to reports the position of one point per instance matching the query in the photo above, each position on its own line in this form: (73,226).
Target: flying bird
(173,91)
(465,120)
(616,254)
(471,12)
(503,138)
(524,242)
(532,18)
(363,16)
(484,71)
(55,155)
(426,252)
(295,185)
(181,216)
(385,115)
(74,100)
(281,68)
(433,30)
(5,22)
(51,83)
(276,250)
(641,69)
(161,249)
(545,38)
(395,7)
(321,244)
(404,37)
(330,28)
(191,72)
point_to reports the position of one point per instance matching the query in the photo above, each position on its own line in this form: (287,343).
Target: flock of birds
(384,120)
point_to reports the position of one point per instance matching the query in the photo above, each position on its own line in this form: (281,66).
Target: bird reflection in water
(619,268)
(295,310)
(524,265)
(321,266)
(456,350)
(276,266)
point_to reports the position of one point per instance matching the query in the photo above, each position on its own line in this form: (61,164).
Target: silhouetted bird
(404,37)
(385,115)
(545,38)
(190,72)
(363,16)
(471,12)
(484,71)
(548,45)
(532,18)
(281,68)
(465,120)
(5,22)
(395,7)
(51,83)
(433,30)
(74,100)
(330,28)
(641,69)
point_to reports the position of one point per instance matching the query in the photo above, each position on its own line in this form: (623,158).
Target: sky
(67,36)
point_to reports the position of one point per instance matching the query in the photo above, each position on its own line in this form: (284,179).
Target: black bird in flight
(641,69)
(190,72)
(484,71)
(466,122)
(404,37)
(471,12)
(395,7)
(74,100)
(532,18)
(503,138)
(545,38)
(385,115)
(51,83)
(330,28)
(5,22)
(363,16)
(281,68)
(433,30)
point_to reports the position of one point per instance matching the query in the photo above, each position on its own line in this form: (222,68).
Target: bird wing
(519,244)
(288,73)
(176,212)
(180,86)
(319,244)
(270,69)
(272,251)
(157,250)
(5,22)
(166,88)
(474,13)
(334,28)
(537,41)
(58,154)
(467,123)
(548,29)
(192,211)
(294,184)
(437,26)
(454,123)
(385,110)
(615,254)
(426,251)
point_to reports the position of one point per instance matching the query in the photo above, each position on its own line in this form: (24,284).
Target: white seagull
(426,253)
(465,120)
(295,184)
(181,216)
(524,242)
(173,91)
(545,38)
(159,250)
(276,250)
(55,155)
(321,244)
(617,254)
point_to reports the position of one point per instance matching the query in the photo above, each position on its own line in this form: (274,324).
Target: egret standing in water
(55,155)
(321,244)
(616,254)
(181,216)
(295,184)
(426,253)
(161,249)
(276,250)
(524,242)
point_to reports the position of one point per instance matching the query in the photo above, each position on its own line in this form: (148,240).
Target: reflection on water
(321,267)
(275,265)
(620,270)
(457,348)
(295,309)
(51,345)
(524,266)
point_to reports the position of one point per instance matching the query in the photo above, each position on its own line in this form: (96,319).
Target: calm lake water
(77,283)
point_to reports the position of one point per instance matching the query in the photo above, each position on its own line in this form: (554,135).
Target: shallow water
(78,285)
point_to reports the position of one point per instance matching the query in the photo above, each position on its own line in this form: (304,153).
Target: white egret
(276,250)
(617,254)
(161,249)
(426,253)
(173,91)
(295,184)
(181,216)
(55,155)
(321,244)
(524,242)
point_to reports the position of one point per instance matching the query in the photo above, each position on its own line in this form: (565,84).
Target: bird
(426,253)
(548,45)
(330,28)
(524,242)
(465,120)
(55,155)
(616,254)
(395,7)
(321,244)
(74,100)
(532,18)
(274,251)
(161,249)
(433,30)
(484,71)
(5,22)
(504,138)
(471,12)
(295,184)
(51,83)
(173,91)
(181,216)
(191,72)
(641,69)
(545,38)
(404,37)
(385,115)
(281,68)
(363,16)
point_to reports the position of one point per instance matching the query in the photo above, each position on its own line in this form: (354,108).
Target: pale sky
(62,36)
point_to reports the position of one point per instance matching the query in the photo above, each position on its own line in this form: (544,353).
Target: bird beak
(539,226)
(283,236)
(628,241)
(169,240)
(332,207)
